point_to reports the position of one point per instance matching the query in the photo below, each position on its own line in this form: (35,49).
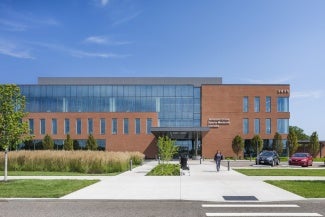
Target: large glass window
(102,126)
(54,126)
(78,126)
(42,126)
(257,126)
(245,104)
(149,125)
(114,126)
(245,126)
(90,126)
(268,126)
(268,104)
(283,126)
(31,125)
(66,126)
(256,104)
(283,104)
(126,126)
(137,126)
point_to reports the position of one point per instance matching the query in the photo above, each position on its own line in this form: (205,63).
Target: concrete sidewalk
(203,183)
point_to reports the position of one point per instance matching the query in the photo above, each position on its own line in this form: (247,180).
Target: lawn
(282,172)
(36,188)
(43,173)
(308,189)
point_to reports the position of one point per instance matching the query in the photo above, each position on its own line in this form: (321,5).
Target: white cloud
(127,18)
(314,94)
(104,40)
(13,50)
(104,2)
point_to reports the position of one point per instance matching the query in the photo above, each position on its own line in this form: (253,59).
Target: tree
(166,148)
(257,144)
(47,142)
(13,129)
(68,143)
(299,133)
(292,141)
(91,143)
(237,145)
(277,143)
(313,144)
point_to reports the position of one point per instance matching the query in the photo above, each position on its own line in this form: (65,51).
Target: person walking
(218,157)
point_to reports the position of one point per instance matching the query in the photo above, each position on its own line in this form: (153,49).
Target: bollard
(131,165)
(200,160)
(158,160)
(228,165)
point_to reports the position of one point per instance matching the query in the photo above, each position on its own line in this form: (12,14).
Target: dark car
(268,157)
(301,159)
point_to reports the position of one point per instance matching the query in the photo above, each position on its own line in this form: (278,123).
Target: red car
(301,159)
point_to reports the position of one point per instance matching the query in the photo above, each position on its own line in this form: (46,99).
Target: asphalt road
(105,208)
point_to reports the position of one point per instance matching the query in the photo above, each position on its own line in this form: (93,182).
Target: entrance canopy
(180,133)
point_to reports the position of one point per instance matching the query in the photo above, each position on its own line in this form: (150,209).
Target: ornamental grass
(88,162)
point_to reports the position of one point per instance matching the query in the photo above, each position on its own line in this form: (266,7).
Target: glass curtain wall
(176,105)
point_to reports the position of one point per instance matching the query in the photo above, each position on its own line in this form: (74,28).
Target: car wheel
(277,162)
(273,163)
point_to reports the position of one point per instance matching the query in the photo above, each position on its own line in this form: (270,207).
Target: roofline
(196,81)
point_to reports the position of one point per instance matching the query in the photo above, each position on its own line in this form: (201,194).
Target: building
(128,114)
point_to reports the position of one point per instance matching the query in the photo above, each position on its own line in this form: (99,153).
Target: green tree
(257,144)
(313,144)
(68,143)
(91,143)
(13,129)
(299,133)
(237,145)
(292,141)
(166,148)
(277,143)
(47,142)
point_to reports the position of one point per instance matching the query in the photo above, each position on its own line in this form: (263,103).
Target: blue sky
(243,41)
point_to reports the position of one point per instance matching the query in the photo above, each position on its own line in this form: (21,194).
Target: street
(113,208)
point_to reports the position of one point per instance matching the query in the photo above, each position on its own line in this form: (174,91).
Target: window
(66,126)
(114,126)
(268,104)
(257,126)
(102,126)
(42,126)
(137,126)
(31,126)
(245,104)
(126,126)
(90,126)
(268,126)
(283,104)
(54,126)
(78,126)
(245,126)
(149,125)
(257,104)
(283,126)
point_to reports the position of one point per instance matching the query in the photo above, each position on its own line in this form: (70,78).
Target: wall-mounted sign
(217,122)
(283,91)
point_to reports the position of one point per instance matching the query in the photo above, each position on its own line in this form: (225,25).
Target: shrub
(72,161)
(165,170)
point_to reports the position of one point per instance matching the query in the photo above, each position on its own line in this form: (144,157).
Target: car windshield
(300,155)
(267,154)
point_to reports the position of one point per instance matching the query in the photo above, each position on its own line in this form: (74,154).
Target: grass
(36,188)
(305,189)
(165,170)
(282,172)
(46,173)
(87,162)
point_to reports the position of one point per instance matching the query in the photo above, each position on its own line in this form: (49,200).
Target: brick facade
(226,102)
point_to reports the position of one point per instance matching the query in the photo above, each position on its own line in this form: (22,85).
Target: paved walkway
(203,183)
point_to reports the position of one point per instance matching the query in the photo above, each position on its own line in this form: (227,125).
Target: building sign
(217,122)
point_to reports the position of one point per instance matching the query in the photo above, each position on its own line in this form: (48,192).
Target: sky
(242,41)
